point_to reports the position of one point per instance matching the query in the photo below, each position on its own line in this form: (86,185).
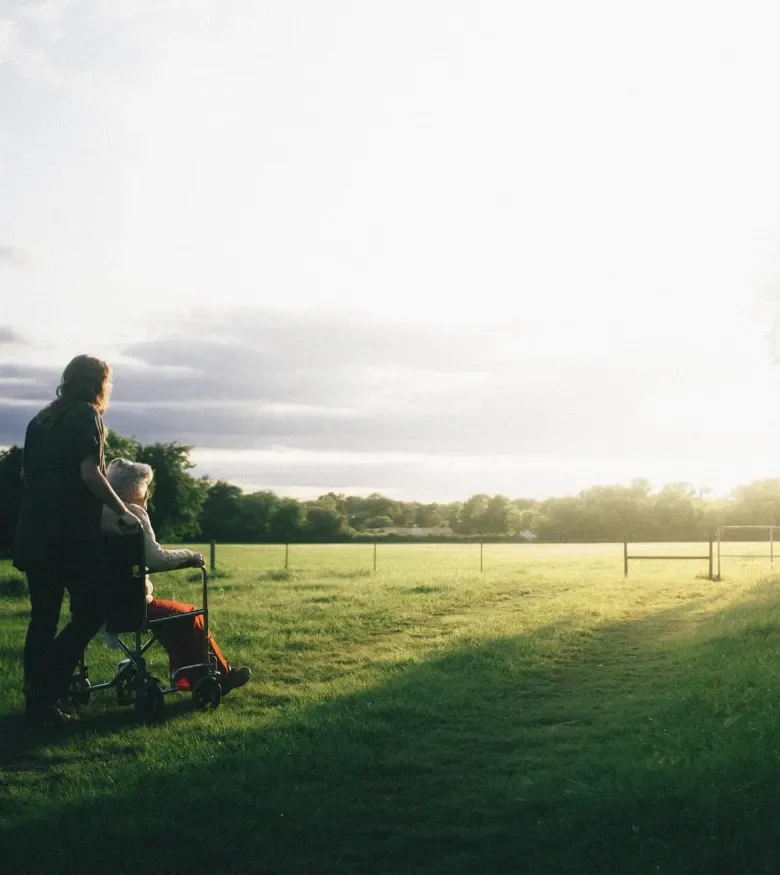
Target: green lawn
(543,716)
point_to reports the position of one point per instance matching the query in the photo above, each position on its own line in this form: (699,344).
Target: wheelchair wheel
(149,701)
(126,686)
(79,692)
(207,693)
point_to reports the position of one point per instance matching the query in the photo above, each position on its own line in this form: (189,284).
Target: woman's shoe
(48,715)
(236,677)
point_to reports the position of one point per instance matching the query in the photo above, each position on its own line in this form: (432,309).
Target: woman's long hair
(85,379)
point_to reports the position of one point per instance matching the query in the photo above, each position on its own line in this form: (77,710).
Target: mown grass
(543,716)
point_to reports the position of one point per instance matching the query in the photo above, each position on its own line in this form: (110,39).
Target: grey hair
(127,478)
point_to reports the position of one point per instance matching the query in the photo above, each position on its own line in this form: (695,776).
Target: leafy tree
(183,507)
(325,519)
(289,521)
(258,510)
(10,495)
(118,447)
(335,499)
(380,522)
(563,519)
(714,515)
(525,503)
(499,516)
(405,514)
(177,498)
(610,512)
(361,510)
(221,515)
(449,514)
(471,514)
(677,510)
(757,504)
(376,503)
(529,521)
(427,516)
(356,515)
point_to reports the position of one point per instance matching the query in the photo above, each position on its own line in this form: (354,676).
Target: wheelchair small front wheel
(79,692)
(126,685)
(207,693)
(150,699)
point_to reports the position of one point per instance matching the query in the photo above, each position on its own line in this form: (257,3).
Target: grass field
(543,716)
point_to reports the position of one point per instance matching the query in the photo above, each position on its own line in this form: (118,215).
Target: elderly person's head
(130,480)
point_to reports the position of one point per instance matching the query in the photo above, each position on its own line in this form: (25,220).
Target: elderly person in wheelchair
(183,640)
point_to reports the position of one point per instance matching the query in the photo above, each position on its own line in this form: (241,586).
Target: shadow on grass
(26,746)
(561,751)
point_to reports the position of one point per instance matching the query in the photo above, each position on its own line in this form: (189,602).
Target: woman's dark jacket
(59,519)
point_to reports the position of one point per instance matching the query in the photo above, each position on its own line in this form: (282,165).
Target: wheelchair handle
(125,526)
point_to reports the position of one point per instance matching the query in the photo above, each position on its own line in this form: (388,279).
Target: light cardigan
(157,558)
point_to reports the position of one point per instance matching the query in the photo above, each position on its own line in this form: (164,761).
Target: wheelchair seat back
(126,582)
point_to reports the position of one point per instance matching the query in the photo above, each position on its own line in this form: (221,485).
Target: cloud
(258,378)
(79,48)
(8,335)
(265,377)
(314,474)
(13,256)
(13,421)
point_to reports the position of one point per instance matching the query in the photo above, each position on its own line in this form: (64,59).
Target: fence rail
(770,556)
(710,557)
(213,554)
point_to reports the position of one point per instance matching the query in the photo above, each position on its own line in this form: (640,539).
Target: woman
(183,639)
(57,541)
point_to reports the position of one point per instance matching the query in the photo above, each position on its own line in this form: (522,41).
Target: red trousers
(184,640)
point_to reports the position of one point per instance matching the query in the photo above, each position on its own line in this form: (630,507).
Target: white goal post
(770,539)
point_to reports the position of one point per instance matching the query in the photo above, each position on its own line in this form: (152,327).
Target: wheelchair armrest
(185,566)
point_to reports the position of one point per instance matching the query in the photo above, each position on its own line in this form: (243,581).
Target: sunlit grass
(545,714)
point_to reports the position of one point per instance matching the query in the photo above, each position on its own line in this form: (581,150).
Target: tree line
(184,508)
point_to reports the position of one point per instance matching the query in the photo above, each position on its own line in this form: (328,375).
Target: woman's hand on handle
(128,523)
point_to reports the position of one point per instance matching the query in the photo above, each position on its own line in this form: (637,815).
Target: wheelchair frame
(133,682)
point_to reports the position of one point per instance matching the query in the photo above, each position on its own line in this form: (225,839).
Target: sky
(425,248)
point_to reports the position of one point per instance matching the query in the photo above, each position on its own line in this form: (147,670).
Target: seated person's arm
(159,559)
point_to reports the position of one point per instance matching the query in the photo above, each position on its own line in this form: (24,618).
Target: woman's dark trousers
(50,659)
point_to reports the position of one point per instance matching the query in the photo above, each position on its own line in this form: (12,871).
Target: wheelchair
(127,615)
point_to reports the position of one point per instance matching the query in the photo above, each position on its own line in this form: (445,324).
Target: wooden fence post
(213,557)
(625,555)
